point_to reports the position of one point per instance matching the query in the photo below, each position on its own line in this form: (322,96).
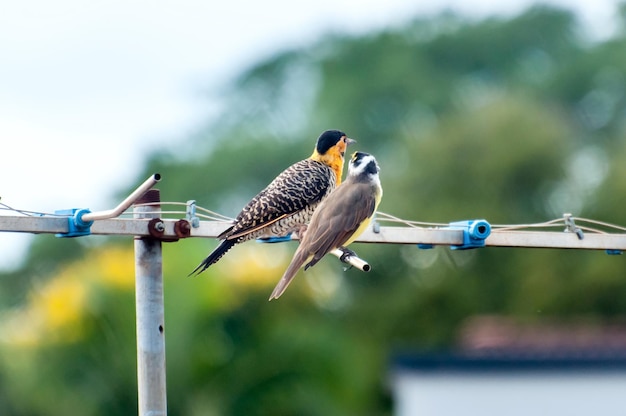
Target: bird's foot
(347,253)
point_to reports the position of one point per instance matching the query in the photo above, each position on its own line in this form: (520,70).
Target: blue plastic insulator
(191,214)
(423,246)
(474,233)
(613,252)
(75,224)
(275,239)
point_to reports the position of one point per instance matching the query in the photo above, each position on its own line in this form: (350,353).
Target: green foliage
(512,120)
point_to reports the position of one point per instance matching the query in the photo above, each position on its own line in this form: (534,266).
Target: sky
(87,89)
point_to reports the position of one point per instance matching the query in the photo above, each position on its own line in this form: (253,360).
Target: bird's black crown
(358,156)
(327,140)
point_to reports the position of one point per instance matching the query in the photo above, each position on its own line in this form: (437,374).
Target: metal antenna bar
(125,204)
(386,235)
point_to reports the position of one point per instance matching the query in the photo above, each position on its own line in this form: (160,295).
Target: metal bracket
(474,233)
(191,213)
(80,220)
(571,227)
(76,226)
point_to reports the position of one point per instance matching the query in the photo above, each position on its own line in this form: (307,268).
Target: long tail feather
(215,255)
(298,260)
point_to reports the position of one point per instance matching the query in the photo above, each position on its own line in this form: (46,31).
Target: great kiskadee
(340,218)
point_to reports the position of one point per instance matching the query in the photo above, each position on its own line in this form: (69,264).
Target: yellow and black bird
(340,219)
(287,203)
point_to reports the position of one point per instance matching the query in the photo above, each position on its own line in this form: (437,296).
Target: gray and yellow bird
(340,218)
(287,203)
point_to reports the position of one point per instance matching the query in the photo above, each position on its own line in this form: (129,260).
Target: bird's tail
(215,255)
(298,260)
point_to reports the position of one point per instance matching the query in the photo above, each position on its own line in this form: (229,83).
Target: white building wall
(509,394)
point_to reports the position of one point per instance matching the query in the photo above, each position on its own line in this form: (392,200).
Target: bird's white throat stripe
(357,169)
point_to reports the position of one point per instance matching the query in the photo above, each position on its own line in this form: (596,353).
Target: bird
(287,203)
(340,219)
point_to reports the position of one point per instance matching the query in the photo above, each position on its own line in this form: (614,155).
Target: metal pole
(150,316)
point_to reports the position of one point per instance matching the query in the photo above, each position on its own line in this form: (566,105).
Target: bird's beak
(349,141)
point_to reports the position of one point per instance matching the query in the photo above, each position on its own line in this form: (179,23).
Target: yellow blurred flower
(55,310)
(52,314)
(256,264)
(116,267)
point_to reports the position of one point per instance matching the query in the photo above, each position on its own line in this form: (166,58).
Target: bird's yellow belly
(362,227)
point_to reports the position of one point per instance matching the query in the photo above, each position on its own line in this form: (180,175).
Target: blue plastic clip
(424,246)
(75,224)
(613,252)
(474,233)
(275,239)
